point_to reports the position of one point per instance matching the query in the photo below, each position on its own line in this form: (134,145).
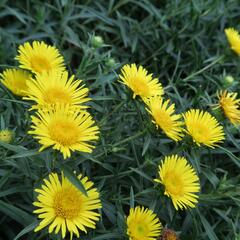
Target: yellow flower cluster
(178,177)
(181,184)
(200,125)
(228,101)
(62,120)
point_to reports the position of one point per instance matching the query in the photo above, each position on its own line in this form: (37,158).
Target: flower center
(56,95)
(5,136)
(40,64)
(201,133)
(164,120)
(64,132)
(139,231)
(140,87)
(174,184)
(67,203)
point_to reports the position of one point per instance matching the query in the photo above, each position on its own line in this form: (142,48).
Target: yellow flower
(140,82)
(15,80)
(54,87)
(203,128)
(65,129)
(62,206)
(39,57)
(230,105)
(180,180)
(6,135)
(233,39)
(143,224)
(164,117)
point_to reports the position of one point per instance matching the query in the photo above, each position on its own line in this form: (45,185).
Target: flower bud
(97,41)
(168,234)
(228,80)
(110,63)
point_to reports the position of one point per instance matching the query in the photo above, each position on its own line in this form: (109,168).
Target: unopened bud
(110,62)
(97,41)
(228,80)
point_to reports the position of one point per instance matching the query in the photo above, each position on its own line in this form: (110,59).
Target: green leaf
(104,98)
(234,158)
(14,148)
(146,144)
(72,37)
(74,179)
(18,15)
(13,190)
(131,198)
(4,178)
(26,230)
(15,213)
(141,174)
(208,228)
(28,153)
(109,236)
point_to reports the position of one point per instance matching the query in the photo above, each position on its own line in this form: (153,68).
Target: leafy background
(183,43)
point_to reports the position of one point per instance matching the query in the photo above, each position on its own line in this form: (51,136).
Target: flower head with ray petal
(140,82)
(65,129)
(54,87)
(143,224)
(203,128)
(62,206)
(39,57)
(15,80)
(230,105)
(165,118)
(180,180)
(233,39)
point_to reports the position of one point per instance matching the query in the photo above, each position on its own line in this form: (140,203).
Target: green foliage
(183,44)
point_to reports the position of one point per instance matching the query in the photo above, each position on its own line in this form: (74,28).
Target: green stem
(113,111)
(130,138)
(203,69)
